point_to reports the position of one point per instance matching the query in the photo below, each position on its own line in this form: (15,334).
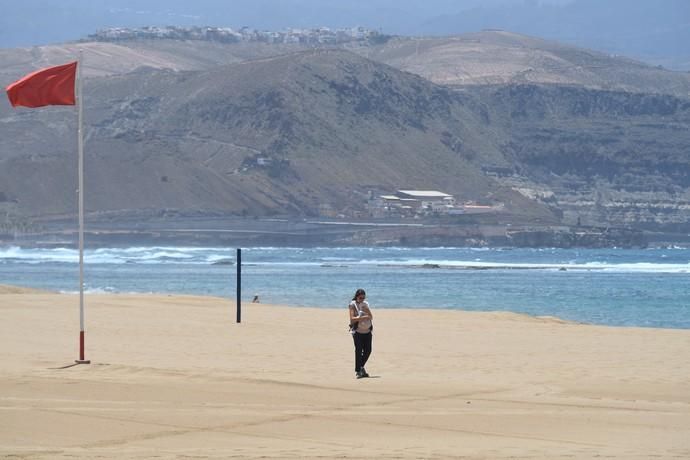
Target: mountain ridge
(487,57)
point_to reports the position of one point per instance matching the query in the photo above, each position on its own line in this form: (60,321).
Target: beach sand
(176,377)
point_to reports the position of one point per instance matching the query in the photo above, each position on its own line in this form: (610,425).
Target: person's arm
(354,317)
(353,314)
(367,312)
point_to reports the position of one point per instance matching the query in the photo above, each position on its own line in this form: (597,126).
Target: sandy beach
(176,377)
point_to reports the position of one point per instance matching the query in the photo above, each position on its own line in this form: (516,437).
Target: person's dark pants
(362,349)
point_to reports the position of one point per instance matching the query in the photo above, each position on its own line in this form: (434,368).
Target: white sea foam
(98,290)
(588,266)
(450,258)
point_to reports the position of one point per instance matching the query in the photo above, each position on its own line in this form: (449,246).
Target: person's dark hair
(359,293)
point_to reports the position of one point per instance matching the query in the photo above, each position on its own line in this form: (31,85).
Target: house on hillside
(498,171)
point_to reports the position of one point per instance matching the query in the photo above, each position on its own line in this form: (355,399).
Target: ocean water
(649,288)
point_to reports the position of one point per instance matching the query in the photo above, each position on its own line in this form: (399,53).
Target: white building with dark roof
(412,202)
(423,194)
(429,200)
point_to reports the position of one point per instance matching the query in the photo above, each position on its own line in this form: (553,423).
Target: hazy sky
(657,31)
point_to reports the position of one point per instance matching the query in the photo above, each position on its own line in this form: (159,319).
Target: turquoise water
(612,287)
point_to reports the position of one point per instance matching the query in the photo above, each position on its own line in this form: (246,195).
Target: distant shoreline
(320,232)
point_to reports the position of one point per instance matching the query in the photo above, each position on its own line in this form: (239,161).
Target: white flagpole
(80,131)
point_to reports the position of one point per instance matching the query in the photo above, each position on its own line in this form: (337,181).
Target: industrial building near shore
(423,202)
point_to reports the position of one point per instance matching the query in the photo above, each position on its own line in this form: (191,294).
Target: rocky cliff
(598,156)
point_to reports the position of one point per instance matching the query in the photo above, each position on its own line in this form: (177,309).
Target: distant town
(317,37)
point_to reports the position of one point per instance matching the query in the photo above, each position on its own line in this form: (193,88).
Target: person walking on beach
(360,328)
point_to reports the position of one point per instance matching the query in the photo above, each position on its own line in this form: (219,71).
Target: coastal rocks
(224,262)
(431,266)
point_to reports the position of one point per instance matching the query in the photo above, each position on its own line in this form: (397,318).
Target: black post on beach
(239,285)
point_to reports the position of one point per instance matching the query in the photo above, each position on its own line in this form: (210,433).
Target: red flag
(49,86)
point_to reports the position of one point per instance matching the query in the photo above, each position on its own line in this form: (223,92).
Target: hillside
(110,58)
(334,124)
(600,157)
(178,127)
(501,57)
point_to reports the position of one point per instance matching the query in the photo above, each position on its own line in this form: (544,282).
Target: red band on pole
(81,359)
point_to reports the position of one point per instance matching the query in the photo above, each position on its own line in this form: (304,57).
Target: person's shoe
(364,372)
(359,374)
